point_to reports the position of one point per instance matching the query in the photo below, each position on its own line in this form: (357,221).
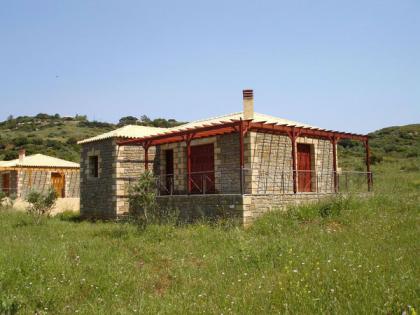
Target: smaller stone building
(39,172)
(243,164)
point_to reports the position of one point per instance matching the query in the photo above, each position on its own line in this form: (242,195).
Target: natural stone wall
(256,205)
(23,181)
(130,164)
(227,164)
(72,181)
(272,165)
(34,180)
(98,194)
(244,208)
(193,207)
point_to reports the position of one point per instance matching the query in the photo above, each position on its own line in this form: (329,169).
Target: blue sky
(343,65)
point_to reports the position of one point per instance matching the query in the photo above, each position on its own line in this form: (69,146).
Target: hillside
(398,144)
(57,136)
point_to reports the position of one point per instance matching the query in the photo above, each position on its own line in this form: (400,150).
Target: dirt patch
(162,284)
(333,226)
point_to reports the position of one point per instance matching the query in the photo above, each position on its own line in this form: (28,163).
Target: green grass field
(360,257)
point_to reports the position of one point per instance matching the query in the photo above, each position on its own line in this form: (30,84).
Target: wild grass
(347,255)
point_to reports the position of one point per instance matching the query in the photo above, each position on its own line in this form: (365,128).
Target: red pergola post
(334,145)
(241,155)
(146,146)
(146,158)
(369,174)
(293,136)
(188,139)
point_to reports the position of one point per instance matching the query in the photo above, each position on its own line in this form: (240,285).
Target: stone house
(243,164)
(39,172)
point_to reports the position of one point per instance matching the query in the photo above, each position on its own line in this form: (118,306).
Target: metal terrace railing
(263,182)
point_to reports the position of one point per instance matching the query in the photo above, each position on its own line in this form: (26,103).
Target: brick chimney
(248,97)
(22,153)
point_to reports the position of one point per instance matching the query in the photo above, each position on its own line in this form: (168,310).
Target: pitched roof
(131,131)
(236,116)
(39,160)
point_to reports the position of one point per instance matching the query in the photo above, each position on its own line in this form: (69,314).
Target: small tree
(3,200)
(142,198)
(40,205)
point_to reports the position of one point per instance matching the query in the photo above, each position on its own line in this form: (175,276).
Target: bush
(376,158)
(6,201)
(143,207)
(9,305)
(20,141)
(70,216)
(40,205)
(3,198)
(142,200)
(71,141)
(412,154)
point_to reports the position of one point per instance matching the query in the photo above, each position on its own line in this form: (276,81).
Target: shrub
(411,154)
(3,198)
(10,155)
(37,141)
(142,200)
(71,140)
(143,207)
(40,204)
(70,216)
(376,158)
(6,201)
(9,305)
(19,141)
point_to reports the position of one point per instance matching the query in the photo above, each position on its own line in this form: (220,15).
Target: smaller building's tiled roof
(127,132)
(39,160)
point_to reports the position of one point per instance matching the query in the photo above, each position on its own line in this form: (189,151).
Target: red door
(169,171)
(202,169)
(304,167)
(6,183)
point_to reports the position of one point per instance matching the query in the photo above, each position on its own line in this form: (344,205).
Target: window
(94,166)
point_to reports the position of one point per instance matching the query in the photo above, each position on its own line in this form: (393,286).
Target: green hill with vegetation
(57,136)
(393,145)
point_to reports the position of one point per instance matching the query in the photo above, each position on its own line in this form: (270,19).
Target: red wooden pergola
(242,127)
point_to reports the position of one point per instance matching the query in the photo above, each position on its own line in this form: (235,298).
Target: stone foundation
(193,207)
(245,208)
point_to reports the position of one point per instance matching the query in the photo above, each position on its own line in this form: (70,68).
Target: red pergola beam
(206,131)
(228,127)
(303,131)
